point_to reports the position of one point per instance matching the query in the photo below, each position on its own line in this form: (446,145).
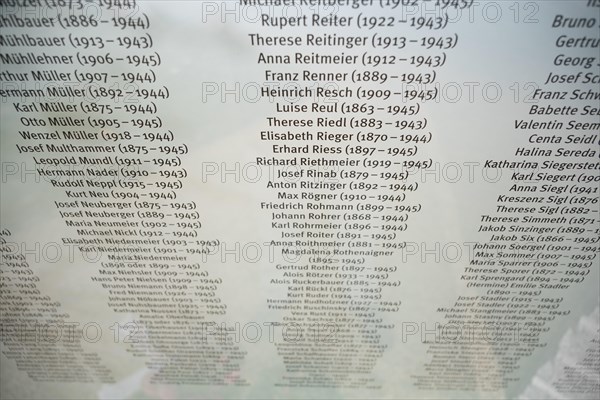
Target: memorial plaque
(290,199)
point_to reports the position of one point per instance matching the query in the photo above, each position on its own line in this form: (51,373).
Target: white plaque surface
(391,199)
